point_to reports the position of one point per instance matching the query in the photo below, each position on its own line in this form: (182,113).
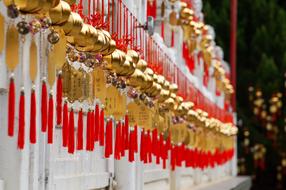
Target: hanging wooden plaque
(2,26)
(12,48)
(115,103)
(66,74)
(33,61)
(99,82)
(59,50)
(141,115)
(51,69)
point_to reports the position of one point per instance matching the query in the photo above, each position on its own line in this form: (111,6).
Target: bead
(23,27)
(35,26)
(53,37)
(142,97)
(82,57)
(46,22)
(13,11)
(72,56)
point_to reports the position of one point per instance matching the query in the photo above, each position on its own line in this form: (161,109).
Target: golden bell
(142,65)
(186,13)
(166,85)
(148,71)
(155,77)
(173,88)
(148,82)
(161,80)
(154,90)
(86,37)
(111,48)
(107,39)
(136,78)
(74,25)
(164,95)
(60,13)
(127,68)
(191,116)
(114,60)
(170,103)
(134,55)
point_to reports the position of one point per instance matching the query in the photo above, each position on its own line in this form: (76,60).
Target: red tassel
(149,147)
(118,145)
(142,146)
(11,108)
(88,148)
(97,123)
(92,130)
(123,141)
(126,132)
(136,138)
(59,99)
(131,146)
(44,106)
(65,131)
(172,38)
(80,130)
(33,118)
(108,139)
(51,120)
(71,133)
(21,133)
(101,128)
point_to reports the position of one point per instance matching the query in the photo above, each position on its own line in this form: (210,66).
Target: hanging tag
(51,70)
(66,76)
(115,103)
(99,84)
(59,51)
(33,61)
(12,48)
(141,115)
(2,26)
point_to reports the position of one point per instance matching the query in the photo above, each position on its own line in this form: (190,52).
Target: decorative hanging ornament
(12,60)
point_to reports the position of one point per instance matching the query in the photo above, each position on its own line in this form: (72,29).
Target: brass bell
(60,13)
(142,65)
(134,55)
(164,95)
(174,88)
(74,25)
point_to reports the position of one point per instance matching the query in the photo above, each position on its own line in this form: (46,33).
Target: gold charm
(33,61)
(51,69)
(115,103)
(12,48)
(99,84)
(59,50)
(2,26)
(66,74)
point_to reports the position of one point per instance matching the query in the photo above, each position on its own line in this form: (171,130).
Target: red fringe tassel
(101,128)
(71,133)
(11,108)
(33,129)
(44,102)
(108,139)
(51,120)
(21,132)
(59,99)
(118,143)
(65,130)
(80,131)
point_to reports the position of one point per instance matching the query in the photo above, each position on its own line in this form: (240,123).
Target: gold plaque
(2,27)
(141,115)
(33,61)
(12,48)
(99,82)
(51,69)
(59,51)
(115,103)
